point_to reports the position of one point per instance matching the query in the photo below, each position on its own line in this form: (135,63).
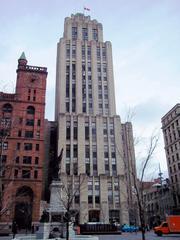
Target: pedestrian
(14,229)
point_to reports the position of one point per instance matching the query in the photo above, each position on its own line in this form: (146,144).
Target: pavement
(124,236)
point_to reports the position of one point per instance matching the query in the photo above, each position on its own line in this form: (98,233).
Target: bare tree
(139,186)
(70,196)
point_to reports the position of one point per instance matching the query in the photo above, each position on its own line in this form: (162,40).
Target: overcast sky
(145,36)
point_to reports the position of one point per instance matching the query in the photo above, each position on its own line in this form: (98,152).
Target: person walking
(14,229)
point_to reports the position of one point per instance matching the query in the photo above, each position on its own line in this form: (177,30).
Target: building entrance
(23,207)
(94,216)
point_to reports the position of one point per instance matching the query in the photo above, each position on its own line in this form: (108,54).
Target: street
(137,236)
(127,236)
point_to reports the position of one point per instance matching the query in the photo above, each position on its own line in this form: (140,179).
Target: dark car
(55,233)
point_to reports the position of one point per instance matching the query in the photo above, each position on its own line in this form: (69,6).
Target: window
(68,130)
(85,34)
(98,67)
(83,56)
(90,199)
(106,154)
(75,168)
(113,154)
(36,160)
(87,151)
(4,145)
(97,199)
(18,146)
(20,120)
(67,106)
(37,147)
(5,122)
(89,52)
(73,105)
(39,122)
(88,169)
(17,159)
(26,173)
(73,51)
(29,122)
(7,108)
(27,159)
(73,90)
(95,34)
(74,33)
(27,146)
(4,158)
(19,133)
(68,151)
(38,134)
(76,199)
(29,134)
(86,132)
(75,151)
(36,174)
(67,50)
(31,110)
(75,132)
(84,107)
(16,173)
(104,54)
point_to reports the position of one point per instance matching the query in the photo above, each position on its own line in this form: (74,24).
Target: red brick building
(22,145)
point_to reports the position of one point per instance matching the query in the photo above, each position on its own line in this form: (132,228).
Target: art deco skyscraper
(88,128)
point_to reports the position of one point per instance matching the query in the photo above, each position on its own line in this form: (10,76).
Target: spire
(22,57)
(22,61)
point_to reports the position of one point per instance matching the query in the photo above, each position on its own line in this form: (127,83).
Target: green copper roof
(23,57)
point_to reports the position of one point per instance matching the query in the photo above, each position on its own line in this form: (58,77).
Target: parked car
(129,228)
(55,233)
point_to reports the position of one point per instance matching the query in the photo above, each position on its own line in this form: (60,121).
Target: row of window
(173,158)
(7,108)
(99,51)
(84,34)
(26,147)
(26,174)
(173,148)
(172,137)
(174,168)
(87,151)
(25,159)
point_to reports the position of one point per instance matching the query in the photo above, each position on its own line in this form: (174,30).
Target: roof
(22,57)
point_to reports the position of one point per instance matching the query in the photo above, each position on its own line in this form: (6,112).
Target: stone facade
(89,130)
(130,170)
(171,132)
(22,145)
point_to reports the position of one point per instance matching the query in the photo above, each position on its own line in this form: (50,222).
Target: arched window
(7,108)
(30,110)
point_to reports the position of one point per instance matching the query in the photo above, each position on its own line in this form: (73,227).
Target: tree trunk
(67,230)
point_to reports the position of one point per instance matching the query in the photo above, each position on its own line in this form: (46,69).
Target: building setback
(89,130)
(130,170)
(171,132)
(22,145)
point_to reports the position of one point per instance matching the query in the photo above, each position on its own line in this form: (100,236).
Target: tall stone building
(171,131)
(22,145)
(89,130)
